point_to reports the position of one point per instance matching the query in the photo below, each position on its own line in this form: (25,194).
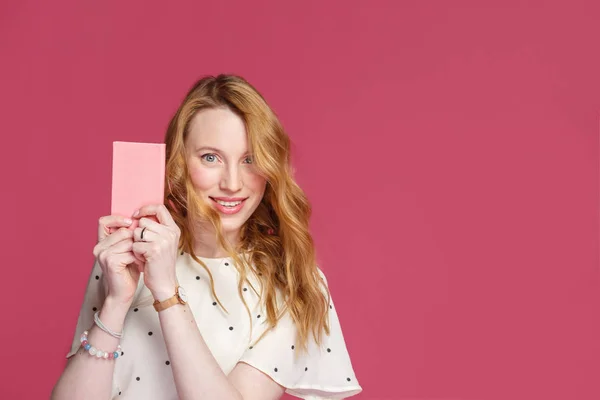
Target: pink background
(450,151)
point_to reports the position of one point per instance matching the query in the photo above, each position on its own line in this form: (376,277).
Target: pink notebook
(138,177)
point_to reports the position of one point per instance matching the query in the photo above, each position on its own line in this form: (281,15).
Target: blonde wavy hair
(277,245)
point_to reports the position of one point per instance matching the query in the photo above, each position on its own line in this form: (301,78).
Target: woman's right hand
(117,261)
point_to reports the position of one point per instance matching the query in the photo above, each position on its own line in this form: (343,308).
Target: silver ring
(142,234)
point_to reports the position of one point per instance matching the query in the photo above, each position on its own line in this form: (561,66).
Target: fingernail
(128,221)
(135,214)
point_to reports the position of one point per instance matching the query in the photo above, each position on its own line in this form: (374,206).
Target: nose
(231,180)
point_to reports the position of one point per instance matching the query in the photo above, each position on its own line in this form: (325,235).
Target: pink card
(138,177)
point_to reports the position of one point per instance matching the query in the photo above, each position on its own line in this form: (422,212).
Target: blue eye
(248,160)
(209,157)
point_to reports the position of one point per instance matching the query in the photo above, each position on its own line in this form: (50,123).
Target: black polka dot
(149,333)
(137,379)
(305,369)
(348,379)
(122,353)
(95,309)
(119,393)
(231,328)
(275,369)
(258,316)
(214,303)
(181,253)
(135,310)
(251,347)
(329,350)
(168,362)
(292,347)
(97,277)
(245,289)
(197,278)
(330,306)
(226,264)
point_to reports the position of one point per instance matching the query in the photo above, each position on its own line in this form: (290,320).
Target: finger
(121,247)
(148,235)
(118,255)
(117,236)
(140,249)
(119,261)
(121,235)
(122,263)
(135,269)
(159,210)
(140,260)
(156,228)
(111,221)
(124,246)
(127,259)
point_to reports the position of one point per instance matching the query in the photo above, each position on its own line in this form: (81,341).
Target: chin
(232,224)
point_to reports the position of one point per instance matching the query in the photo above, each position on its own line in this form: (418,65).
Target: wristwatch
(178,298)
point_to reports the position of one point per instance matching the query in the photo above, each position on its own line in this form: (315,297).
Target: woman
(216,294)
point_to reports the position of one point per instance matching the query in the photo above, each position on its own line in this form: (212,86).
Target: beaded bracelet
(97,352)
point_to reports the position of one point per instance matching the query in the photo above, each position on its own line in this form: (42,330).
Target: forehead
(220,128)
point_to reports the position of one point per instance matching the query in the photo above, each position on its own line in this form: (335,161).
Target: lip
(229,198)
(228,210)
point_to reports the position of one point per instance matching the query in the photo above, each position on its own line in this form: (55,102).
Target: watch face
(182,294)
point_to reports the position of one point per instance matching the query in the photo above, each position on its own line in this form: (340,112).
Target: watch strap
(163,305)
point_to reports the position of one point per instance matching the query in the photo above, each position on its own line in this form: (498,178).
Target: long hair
(278,247)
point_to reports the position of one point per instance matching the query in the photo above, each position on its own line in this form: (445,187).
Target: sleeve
(92,301)
(323,372)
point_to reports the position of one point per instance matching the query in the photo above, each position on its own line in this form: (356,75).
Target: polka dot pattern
(276,353)
(332,360)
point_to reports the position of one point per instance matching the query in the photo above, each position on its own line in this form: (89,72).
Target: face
(221,166)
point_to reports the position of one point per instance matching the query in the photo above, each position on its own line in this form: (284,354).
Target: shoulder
(324,370)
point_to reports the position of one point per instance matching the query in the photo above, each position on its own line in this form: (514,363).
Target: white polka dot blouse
(143,369)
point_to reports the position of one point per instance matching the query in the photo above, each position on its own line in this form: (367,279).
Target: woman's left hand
(158,248)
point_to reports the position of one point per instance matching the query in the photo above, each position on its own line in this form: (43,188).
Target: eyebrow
(209,148)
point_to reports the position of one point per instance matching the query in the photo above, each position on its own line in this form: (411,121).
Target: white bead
(105,355)
(93,350)
(99,354)
(85,332)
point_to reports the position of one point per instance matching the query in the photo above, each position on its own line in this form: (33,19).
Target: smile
(229,206)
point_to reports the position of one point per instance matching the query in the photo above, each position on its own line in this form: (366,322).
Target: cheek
(256,183)
(203,178)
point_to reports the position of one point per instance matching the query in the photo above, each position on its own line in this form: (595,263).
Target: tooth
(229,203)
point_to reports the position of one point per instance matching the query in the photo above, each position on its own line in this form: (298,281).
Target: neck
(206,244)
